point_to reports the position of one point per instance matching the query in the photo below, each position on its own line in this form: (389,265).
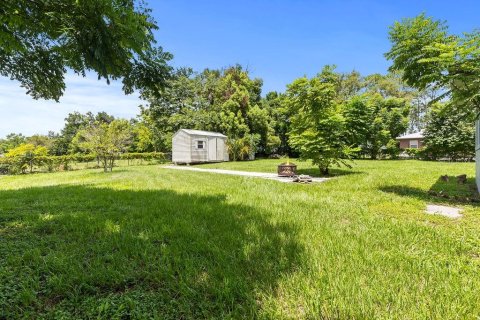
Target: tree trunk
(324,171)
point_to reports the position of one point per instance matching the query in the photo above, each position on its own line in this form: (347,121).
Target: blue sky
(277,40)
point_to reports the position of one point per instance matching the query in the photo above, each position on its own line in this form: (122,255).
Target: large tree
(317,129)
(373,122)
(227,101)
(429,57)
(41,39)
(74,122)
(11,141)
(449,133)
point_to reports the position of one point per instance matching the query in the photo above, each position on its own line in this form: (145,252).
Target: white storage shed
(196,146)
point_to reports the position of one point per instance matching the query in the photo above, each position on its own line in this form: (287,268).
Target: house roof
(415,135)
(203,133)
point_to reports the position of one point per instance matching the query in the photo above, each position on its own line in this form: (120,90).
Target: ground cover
(146,241)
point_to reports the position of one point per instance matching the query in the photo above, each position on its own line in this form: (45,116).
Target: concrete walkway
(449,212)
(263,175)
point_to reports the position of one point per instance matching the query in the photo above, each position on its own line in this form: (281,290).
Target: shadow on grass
(89,252)
(446,192)
(333,172)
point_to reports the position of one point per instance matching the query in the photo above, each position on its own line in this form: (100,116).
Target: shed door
(220,149)
(212,149)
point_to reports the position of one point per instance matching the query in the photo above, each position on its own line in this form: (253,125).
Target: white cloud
(20,113)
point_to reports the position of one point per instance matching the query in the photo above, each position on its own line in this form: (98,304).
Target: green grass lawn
(149,242)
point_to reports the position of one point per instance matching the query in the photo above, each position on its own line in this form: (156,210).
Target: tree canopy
(429,57)
(449,133)
(41,39)
(317,129)
(105,140)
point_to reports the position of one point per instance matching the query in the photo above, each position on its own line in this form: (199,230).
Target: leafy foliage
(11,141)
(317,129)
(40,40)
(106,141)
(431,58)
(226,101)
(450,134)
(25,156)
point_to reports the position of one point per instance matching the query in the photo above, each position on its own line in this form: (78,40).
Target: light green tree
(25,155)
(142,138)
(317,128)
(431,58)
(106,141)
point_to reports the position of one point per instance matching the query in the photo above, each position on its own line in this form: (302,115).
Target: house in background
(412,140)
(196,146)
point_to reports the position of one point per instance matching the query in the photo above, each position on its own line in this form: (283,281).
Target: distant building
(196,146)
(412,140)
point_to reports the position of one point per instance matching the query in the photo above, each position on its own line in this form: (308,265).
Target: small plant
(412,152)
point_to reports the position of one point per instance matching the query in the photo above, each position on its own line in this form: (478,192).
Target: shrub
(25,156)
(412,152)
(19,164)
(392,149)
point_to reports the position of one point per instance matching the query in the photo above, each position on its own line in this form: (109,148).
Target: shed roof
(415,135)
(203,133)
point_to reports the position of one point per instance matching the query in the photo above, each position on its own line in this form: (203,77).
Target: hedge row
(21,164)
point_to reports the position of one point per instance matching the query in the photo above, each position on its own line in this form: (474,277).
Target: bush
(412,152)
(392,149)
(20,164)
(5,165)
(147,156)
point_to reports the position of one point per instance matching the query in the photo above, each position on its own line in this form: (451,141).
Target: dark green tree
(450,134)
(74,122)
(41,39)
(11,141)
(373,122)
(226,101)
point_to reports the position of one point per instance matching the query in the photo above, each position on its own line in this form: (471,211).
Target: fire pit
(287,169)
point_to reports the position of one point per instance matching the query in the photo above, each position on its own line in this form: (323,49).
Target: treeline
(370,112)
(83,139)
(230,101)
(328,118)
(26,157)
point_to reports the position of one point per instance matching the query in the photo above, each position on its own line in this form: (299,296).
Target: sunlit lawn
(149,242)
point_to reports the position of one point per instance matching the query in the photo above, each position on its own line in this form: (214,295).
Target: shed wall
(187,149)
(225,150)
(199,155)
(181,148)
